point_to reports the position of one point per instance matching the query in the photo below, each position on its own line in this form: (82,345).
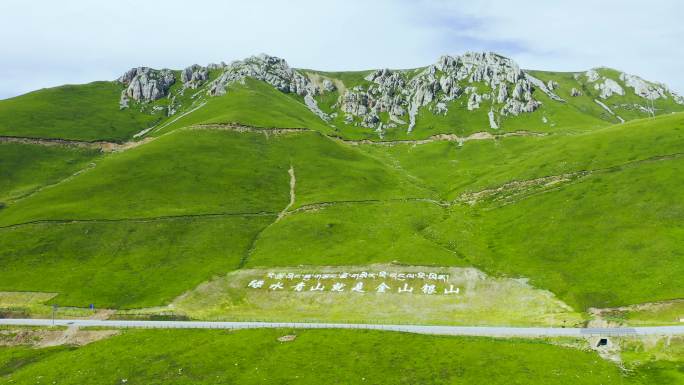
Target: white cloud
(74,41)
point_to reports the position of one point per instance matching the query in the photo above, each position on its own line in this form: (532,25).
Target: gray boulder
(194,76)
(145,84)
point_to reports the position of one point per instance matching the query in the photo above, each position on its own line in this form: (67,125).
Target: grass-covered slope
(354,234)
(123,264)
(189,173)
(452,170)
(80,112)
(254,104)
(609,239)
(24,168)
(340,357)
(193,172)
(147,224)
(629,106)
(91,111)
(600,228)
(594,217)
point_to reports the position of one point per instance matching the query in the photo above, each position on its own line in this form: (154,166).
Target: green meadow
(81,112)
(607,235)
(340,356)
(254,104)
(123,264)
(48,165)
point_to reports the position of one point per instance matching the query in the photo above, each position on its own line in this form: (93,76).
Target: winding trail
(484,331)
(293,185)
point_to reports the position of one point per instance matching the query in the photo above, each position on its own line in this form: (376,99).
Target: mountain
(461,95)
(545,198)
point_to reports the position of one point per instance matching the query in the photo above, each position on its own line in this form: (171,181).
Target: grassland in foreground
(341,357)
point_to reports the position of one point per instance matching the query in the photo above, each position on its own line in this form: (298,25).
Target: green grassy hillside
(354,234)
(452,170)
(610,239)
(123,264)
(166,207)
(81,112)
(91,111)
(342,357)
(579,205)
(196,172)
(24,168)
(255,104)
(566,211)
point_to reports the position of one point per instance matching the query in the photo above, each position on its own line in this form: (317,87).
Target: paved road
(420,329)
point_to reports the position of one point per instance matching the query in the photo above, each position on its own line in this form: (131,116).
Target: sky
(47,43)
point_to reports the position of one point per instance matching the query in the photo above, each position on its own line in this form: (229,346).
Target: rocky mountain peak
(145,84)
(194,76)
(475,76)
(274,71)
(385,98)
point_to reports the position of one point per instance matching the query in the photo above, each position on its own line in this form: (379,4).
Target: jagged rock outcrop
(608,87)
(194,76)
(474,82)
(328,86)
(592,75)
(272,70)
(677,98)
(643,88)
(145,84)
(481,76)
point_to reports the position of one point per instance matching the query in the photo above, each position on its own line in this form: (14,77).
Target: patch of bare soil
(287,338)
(118,147)
(515,189)
(444,138)
(236,127)
(75,336)
(610,317)
(50,142)
(98,145)
(43,337)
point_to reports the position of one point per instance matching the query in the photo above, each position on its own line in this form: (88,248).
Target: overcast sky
(47,43)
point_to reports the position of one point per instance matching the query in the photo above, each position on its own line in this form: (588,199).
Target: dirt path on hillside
(293,184)
(96,145)
(105,146)
(236,127)
(53,142)
(445,138)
